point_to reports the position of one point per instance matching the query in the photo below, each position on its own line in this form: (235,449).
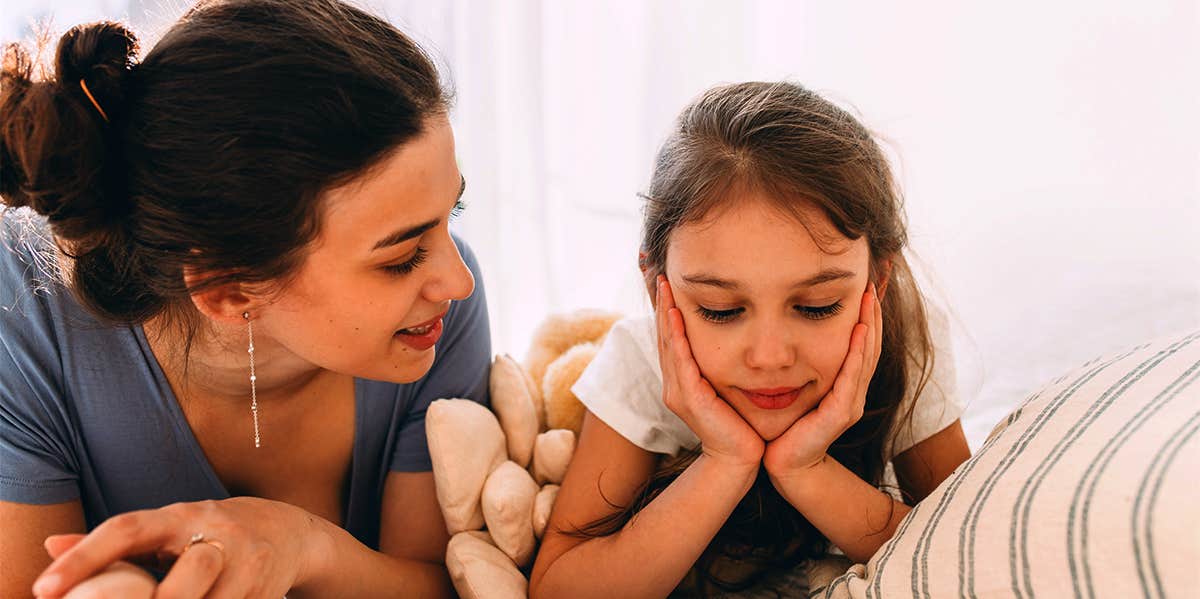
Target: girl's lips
(424,340)
(776,398)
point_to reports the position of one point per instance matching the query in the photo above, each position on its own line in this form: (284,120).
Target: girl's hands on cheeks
(724,435)
(806,442)
(251,548)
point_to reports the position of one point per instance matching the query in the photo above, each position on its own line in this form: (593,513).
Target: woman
(235,300)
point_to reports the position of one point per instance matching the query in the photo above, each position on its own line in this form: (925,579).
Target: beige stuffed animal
(501,468)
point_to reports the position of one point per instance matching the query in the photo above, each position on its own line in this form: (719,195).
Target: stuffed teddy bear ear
(552,454)
(563,409)
(480,570)
(543,504)
(561,332)
(508,510)
(515,408)
(460,468)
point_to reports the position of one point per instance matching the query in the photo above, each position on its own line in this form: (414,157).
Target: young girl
(746,427)
(260,296)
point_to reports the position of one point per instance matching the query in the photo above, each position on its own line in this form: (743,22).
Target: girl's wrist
(733,471)
(799,472)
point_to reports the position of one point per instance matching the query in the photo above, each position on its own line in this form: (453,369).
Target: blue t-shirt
(86,413)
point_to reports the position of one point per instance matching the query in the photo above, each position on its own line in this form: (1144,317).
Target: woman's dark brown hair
(803,151)
(210,153)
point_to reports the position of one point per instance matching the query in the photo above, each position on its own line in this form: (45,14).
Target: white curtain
(1050,152)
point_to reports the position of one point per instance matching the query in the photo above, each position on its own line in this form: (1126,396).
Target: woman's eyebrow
(411,232)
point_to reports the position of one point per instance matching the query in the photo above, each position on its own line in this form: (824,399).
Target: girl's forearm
(657,548)
(852,514)
(341,566)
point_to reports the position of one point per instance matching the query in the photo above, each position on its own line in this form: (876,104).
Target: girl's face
(384,269)
(767,308)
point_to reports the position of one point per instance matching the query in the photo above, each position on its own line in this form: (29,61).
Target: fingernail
(46,584)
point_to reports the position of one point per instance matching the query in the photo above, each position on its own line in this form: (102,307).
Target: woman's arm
(412,546)
(25,528)
(655,550)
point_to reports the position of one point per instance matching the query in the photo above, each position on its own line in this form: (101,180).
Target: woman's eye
(718,316)
(410,265)
(820,312)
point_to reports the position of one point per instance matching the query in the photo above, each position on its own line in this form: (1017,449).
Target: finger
(681,350)
(846,385)
(664,330)
(194,573)
(129,534)
(878,348)
(56,545)
(867,318)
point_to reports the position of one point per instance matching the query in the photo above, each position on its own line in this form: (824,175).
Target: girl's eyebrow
(825,276)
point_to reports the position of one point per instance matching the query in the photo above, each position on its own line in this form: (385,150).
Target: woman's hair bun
(60,153)
(100,54)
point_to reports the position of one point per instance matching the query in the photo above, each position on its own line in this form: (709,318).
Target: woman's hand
(249,547)
(724,435)
(806,442)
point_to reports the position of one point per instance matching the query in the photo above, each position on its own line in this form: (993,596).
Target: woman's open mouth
(422,336)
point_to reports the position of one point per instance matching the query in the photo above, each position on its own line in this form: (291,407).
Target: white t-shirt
(623,387)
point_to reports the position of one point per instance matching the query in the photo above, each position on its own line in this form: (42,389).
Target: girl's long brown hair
(803,151)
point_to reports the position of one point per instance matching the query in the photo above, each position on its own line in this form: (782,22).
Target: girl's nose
(770,349)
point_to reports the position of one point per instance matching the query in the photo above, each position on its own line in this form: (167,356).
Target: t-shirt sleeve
(623,387)
(937,406)
(460,370)
(37,464)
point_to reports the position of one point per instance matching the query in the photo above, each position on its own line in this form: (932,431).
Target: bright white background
(1049,152)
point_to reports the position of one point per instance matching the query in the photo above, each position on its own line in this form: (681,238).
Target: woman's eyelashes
(409,265)
(422,254)
(457,210)
(809,312)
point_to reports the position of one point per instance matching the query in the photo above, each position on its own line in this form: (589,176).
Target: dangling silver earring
(253,379)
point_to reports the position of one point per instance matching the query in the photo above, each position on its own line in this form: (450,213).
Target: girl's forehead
(751,218)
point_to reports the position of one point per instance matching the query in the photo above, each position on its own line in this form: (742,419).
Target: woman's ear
(223,303)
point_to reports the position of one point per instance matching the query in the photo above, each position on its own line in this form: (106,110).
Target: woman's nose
(452,279)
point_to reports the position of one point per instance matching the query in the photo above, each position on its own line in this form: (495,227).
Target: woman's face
(370,295)
(767,308)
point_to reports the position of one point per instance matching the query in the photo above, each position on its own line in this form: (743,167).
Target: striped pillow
(1086,490)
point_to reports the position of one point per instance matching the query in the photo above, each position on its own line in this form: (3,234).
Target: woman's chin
(401,369)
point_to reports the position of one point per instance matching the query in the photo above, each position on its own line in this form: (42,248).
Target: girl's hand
(122,579)
(251,547)
(724,435)
(806,442)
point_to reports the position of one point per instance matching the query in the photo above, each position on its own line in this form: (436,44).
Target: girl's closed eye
(820,312)
(409,265)
(719,316)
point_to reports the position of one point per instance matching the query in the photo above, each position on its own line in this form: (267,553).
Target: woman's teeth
(417,330)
